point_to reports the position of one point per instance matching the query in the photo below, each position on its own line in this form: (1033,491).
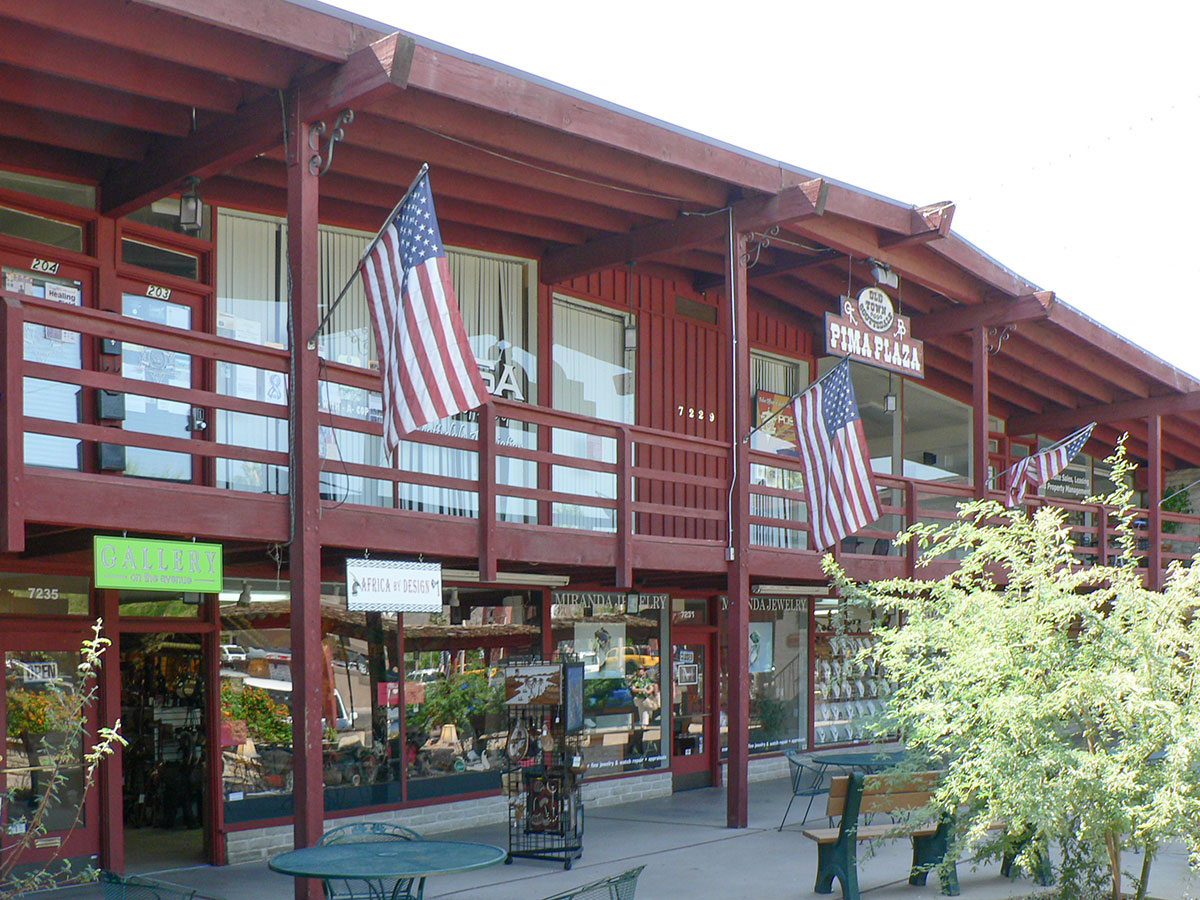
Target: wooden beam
(153,33)
(31,124)
(929,223)
(792,203)
(289,24)
(759,274)
(996,312)
(1139,408)
(369,74)
(55,53)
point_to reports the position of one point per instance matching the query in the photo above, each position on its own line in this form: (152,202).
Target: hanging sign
(393,585)
(868,330)
(142,565)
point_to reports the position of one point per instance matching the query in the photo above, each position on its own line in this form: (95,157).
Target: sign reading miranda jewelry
(393,585)
(143,565)
(869,331)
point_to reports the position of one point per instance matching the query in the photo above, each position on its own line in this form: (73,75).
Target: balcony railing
(645,498)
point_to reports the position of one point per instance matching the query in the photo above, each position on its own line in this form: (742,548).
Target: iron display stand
(544,773)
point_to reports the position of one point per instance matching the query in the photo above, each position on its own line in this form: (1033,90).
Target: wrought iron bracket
(996,338)
(322,158)
(763,240)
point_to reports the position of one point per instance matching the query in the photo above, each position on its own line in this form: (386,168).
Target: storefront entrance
(165,765)
(36,718)
(693,731)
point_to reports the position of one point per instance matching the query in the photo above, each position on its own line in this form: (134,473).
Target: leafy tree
(53,721)
(1059,696)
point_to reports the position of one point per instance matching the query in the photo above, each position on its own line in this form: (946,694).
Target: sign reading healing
(868,330)
(393,585)
(145,565)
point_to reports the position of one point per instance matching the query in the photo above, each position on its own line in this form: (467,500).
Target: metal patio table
(865,760)
(373,862)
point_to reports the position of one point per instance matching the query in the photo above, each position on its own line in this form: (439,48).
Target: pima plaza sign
(143,565)
(868,330)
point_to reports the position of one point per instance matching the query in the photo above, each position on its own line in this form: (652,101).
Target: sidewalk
(688,853)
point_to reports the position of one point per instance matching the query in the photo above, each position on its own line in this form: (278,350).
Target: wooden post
(624,517)
(487,492)
(304,554)
(12,417)
(738,570)
(979,405)
(112,778)
(1154,492)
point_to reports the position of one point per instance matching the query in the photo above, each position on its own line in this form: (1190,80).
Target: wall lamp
(191,207)
(883,274)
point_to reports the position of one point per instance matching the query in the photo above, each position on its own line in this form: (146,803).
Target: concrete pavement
(688,853)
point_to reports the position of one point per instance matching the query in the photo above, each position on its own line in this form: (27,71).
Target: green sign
(142,565)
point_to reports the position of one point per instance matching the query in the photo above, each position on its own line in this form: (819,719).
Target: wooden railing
(511,465)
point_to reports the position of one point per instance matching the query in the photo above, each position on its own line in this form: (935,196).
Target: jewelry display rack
(846,693)
(544,763)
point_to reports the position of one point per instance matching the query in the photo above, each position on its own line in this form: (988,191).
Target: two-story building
(182,196)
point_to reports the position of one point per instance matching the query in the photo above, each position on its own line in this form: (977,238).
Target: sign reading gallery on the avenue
(393,585)
(146,565)
(869,331)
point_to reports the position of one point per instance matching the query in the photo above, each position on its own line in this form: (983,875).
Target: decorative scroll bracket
(996,338)
(764,240)
(322,158)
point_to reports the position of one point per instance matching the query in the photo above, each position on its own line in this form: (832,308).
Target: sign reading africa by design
(869,331)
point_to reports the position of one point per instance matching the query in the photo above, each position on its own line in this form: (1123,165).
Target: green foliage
(1175,500)
(772,713)
(454,700)
(1056,695)
(57,715)
(267,722)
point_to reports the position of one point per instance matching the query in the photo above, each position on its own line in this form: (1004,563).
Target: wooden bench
(859,794)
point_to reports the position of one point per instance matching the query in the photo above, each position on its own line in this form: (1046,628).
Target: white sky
(1065,132)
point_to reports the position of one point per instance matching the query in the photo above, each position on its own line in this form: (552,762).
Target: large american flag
(426,364)
(1035,470)
(833,453)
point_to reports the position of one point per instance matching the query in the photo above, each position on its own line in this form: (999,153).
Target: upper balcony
(155,447)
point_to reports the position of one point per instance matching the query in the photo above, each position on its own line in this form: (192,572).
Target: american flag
(833,453)
(1036,470)
(426,364)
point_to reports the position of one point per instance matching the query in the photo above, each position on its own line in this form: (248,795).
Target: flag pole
(790,400)
(312,341)
(1053,446)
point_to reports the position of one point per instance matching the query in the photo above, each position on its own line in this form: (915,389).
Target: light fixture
(191,207)
(532,579)
(889,402)
(883,274)
(244,597)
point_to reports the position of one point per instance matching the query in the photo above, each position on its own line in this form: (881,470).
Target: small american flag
(426,364)
(1034,471)
(833,453)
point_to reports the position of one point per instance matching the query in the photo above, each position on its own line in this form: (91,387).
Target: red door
(36,746)
(693,727)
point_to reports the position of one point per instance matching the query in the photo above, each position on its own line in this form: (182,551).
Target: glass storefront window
(777,657)
(775,381)
(43,229)
(161,604)
(51,188)
(161,259)
(849,692)
(29,594)
(937,436)
(619,644)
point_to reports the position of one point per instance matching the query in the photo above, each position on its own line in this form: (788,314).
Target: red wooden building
(638,298)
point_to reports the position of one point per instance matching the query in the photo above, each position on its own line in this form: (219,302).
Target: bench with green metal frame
(614,887)
(136,887)
(364,889)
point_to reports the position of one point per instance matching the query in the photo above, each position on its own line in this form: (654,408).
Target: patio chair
(808,780)
(135,887)
(370,889)
(614,887)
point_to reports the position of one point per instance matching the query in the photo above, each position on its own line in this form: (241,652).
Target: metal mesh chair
(368,888)
(135,887)
(615,887)
(808,780)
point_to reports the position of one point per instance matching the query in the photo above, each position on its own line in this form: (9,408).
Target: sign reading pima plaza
(145,565)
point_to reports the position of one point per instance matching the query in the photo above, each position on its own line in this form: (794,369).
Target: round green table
(376,862)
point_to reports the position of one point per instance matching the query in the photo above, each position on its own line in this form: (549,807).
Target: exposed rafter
(788,205)
(996,312)
(929,223)
(366,76)
(1121,411)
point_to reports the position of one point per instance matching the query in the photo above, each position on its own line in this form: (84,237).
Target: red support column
(1154,492)
(12,418)
(979,407)
(624,517)
(738,571)
(487,492)
(304,555)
